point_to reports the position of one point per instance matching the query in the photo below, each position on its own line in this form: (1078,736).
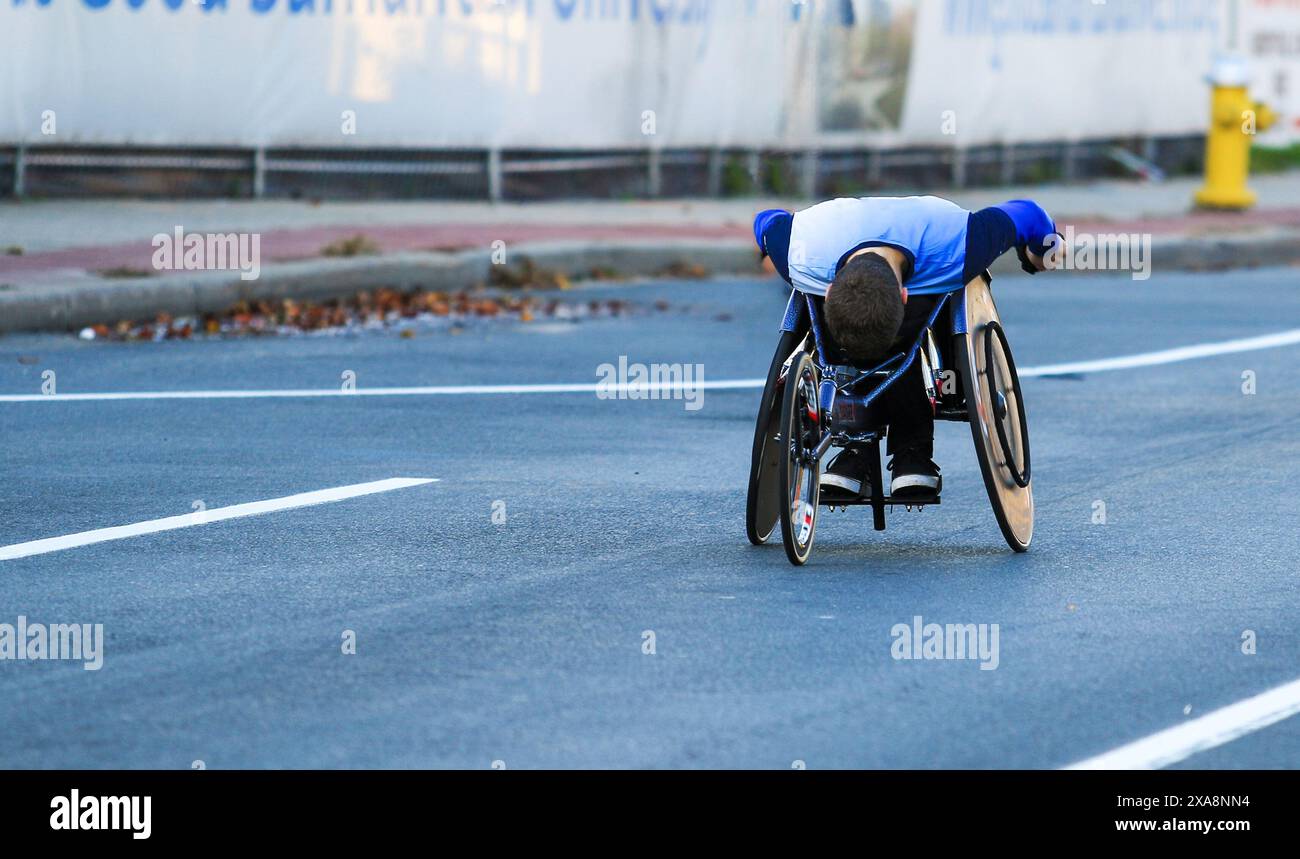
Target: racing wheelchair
(813,401)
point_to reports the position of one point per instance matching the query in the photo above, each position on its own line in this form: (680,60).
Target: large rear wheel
(997,415)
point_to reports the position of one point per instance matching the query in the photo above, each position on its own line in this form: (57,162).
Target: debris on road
(380,310)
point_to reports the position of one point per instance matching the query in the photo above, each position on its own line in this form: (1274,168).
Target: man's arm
(1035,232)
(1032,224)
(1019,224)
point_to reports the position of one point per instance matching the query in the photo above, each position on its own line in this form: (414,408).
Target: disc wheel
(801,428)
(996,408)
(1008,406)
(763,503)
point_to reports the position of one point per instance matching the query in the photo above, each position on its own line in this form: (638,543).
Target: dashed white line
(1213,729)
(1101,365)
(207,517)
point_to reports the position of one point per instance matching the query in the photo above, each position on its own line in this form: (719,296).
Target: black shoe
(843,478)
(914,475)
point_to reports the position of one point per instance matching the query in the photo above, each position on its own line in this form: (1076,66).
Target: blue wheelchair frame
(988,399)
(803,312)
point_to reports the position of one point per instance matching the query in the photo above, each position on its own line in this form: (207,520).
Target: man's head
(864,307)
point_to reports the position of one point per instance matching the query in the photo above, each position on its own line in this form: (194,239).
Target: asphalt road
(522,641)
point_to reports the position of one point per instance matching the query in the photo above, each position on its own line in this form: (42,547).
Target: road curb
(65,308)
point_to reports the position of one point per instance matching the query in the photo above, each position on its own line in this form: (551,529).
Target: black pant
(906,404)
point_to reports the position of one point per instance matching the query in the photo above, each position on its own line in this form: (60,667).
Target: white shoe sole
(839,481)
(904,482)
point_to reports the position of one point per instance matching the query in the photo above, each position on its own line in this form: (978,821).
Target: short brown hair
(864,309)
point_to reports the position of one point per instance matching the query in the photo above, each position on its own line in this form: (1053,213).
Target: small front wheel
(801,430)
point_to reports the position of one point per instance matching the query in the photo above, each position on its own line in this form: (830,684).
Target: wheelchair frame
(842,416)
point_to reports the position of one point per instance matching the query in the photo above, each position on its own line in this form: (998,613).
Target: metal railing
(523,174)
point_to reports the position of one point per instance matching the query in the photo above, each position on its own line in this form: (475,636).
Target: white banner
(1270,39)
(599,74)
(437,73)
(1060,69)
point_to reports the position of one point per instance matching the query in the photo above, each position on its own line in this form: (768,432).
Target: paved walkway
(66,243)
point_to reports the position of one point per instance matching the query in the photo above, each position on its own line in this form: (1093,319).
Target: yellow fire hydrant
(1234,119)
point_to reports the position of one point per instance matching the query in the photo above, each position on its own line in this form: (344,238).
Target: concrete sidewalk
(71,263)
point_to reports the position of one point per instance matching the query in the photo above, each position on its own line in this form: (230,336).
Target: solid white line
(207,517)
(1169,356)
(1123,362)
(433,390)
(1213,729)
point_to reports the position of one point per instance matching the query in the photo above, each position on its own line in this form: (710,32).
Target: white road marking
(1213,729)
(1169,356)
(207,517)
(433,390)
(1123,362)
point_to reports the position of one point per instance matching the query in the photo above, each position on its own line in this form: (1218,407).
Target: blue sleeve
(1033,225)
(989,234)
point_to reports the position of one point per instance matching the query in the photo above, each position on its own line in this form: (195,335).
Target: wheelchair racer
(882,263)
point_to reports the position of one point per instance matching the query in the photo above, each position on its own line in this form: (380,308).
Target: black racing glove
(1025,264)
(1050,241)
